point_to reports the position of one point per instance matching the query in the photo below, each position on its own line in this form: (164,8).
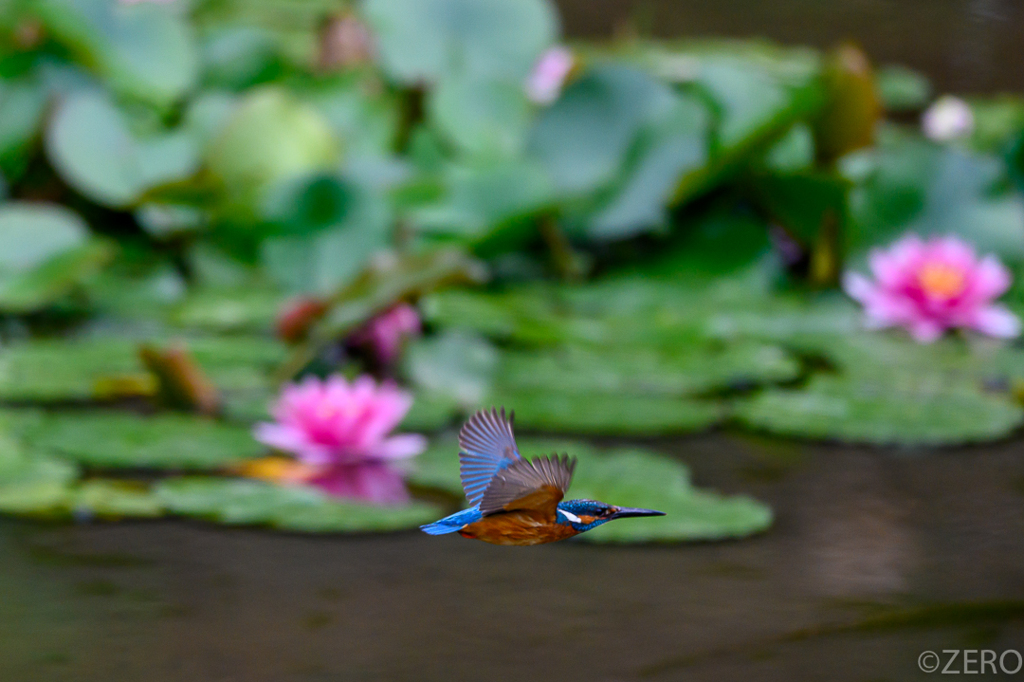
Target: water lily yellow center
(941,280)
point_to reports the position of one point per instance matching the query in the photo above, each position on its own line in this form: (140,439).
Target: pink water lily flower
(385,333)
(929,286)
(340,431)
(544,84)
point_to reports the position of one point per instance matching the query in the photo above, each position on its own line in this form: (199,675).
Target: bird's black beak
(624,512)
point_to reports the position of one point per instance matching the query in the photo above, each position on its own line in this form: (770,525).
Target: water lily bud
(948,118)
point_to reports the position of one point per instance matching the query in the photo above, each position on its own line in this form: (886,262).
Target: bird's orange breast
(520,527)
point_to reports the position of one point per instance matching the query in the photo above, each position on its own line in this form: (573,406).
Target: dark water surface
(876,556)
(964,45)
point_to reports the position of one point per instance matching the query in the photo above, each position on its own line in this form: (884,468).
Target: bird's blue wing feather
(486,446)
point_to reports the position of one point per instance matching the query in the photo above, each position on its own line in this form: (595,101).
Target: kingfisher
(516,501)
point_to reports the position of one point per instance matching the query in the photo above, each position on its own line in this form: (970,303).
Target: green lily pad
(145,51)
(483,198)
(456,366)
(636,478)
(609,414)
(98,367)
(583,138)
(22,110)
(673,146)
(106,439)
(894,408)
(298,508)
(32,233)
(249,309)
(111,499)
(31,482)
(429,413)
(47,253)
(438,465)
(47,370)
(482,116)
(54,279)
(902,89)
(636,371)
(426,40)
(91,146)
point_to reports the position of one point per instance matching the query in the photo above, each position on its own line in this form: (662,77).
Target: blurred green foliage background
(655,252)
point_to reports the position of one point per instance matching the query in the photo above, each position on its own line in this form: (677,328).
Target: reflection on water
(860,542)
(964,45)
(875,557)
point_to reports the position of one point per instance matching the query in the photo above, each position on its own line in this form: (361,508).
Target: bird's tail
(439,528)
(450,524)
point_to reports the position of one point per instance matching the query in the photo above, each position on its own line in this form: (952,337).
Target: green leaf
(608,414)
(31,482)
(111,499)
(894,408)
(915,186)
(64,370)
(438,466)
(748,97)
(90,145)
(104,439)
(902,89)
(330,230)
(238,57)
(145,50)
(299,508)
(249,309)
(50,370)
(456,366)
(636,478)
(22,109)
(55,278)
(482,117)
(311,204)
(998,122)
(632,371)
(426,40)
(319,264)
(803,202)
(33,233)
(482,198)
(582,139)
(676,145)
(429,412)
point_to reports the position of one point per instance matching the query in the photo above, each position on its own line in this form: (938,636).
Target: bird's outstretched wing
(486,446)
(539,485)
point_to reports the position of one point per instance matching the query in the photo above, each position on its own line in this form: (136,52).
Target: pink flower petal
(545,82)
(991,279)
(401,447)
(925,331)
(996,320)
(857,286)
(376,483)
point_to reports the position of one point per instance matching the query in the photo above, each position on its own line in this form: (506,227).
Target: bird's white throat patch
(569,515)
